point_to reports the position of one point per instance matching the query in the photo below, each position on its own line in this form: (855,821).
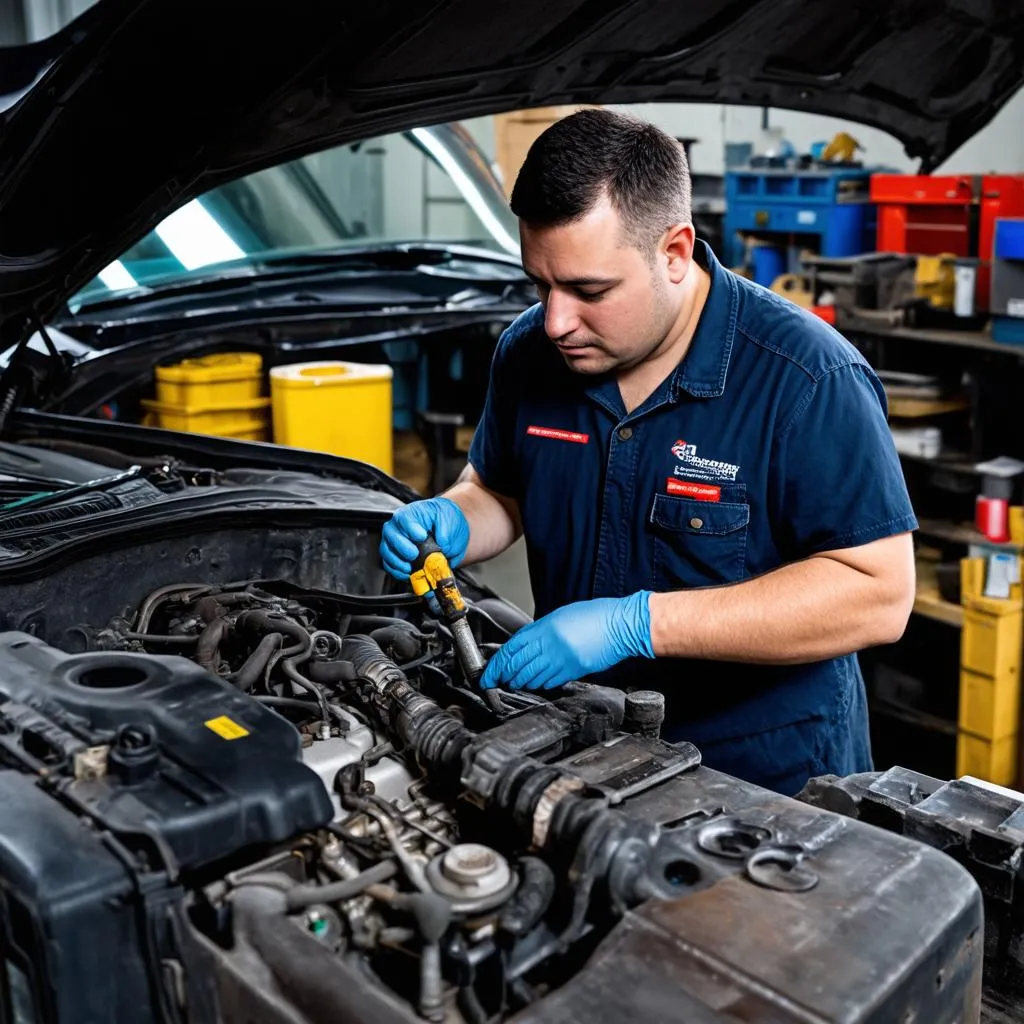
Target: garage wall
(999,147)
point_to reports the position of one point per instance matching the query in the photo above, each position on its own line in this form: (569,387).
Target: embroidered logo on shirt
(702,469)
(554,434)
(702,492)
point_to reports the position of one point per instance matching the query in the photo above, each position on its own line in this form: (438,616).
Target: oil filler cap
(134,754)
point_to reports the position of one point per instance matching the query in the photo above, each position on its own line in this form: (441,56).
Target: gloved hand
(410,526)
(573,642)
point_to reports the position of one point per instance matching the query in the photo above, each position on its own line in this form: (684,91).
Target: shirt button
(696,522)
(625,433)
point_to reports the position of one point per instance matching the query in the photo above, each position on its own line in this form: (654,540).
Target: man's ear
(677,249)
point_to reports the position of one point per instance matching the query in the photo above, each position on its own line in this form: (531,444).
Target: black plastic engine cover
(71,945)
(202,769)
(119,773)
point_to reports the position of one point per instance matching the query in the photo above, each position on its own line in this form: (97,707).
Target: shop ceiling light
(195,238)
(116,276)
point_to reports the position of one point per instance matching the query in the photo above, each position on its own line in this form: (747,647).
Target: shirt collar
(703,369)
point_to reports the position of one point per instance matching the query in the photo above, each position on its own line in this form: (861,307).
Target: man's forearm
(807,611)
(493,519)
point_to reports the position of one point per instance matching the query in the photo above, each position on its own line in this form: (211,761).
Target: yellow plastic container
(250,419)
(989,705)
(337,407)
(225,378)
(994,760)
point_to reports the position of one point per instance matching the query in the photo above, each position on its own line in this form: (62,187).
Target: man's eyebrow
(577,282)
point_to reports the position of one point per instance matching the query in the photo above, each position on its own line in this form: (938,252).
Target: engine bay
(265,802)
(244,778)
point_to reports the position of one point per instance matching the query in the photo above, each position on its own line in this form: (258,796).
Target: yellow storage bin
(337,407)
(991,644)
(224,378)
(262,433)
(993,760)
(1016,524)
(241,419)
(989,707)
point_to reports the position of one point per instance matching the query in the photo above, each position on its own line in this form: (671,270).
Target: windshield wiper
(103,483)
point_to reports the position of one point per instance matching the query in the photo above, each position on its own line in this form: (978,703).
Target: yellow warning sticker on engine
(226,728)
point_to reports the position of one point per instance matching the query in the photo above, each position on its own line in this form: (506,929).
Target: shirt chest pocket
(698,543)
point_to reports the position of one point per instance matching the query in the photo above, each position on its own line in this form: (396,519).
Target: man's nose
(560,315)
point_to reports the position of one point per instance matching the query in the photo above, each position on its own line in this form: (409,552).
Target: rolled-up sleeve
(837,481)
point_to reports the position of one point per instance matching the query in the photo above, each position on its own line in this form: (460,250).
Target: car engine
(261,801)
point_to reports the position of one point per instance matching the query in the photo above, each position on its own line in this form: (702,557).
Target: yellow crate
(247,434)
(993,760)
(337,407)
(1016,521)
(224,378)
(991,644)
(989,708)
(972,585)
(247,417)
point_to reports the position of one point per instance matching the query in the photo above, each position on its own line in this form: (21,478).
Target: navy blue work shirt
(768,443)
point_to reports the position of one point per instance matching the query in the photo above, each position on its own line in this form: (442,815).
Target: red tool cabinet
(932,214)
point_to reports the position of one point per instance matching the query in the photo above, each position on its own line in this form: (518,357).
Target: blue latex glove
(572,642)
(411,525)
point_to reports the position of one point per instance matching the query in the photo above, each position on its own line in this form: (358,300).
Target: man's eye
(593,296)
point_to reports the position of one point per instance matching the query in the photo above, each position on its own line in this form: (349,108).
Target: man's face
(606,305)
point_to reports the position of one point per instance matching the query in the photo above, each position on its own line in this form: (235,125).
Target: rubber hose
(306,895)
(289,669)
(253,666)
(270,622)
(400,641)
(531,900)
(297,704)
(367,623)
(208,649)
(331,673)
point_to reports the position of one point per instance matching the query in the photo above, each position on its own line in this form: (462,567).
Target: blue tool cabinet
(833,205)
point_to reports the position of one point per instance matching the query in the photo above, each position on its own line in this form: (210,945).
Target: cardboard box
(515,132)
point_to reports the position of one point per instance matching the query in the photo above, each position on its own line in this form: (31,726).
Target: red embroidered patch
(702,492)
(559,435)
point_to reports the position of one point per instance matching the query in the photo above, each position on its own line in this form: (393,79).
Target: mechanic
(703,473)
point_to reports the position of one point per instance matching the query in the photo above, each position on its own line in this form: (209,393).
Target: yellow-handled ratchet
(431,573)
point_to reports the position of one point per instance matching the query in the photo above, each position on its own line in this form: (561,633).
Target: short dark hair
(594,152)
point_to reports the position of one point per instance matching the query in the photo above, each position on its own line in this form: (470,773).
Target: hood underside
(140,105)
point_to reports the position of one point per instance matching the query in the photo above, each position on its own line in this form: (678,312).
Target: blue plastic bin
(769,262)
(1009,241)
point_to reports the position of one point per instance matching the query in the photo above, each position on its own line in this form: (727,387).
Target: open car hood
(141,105)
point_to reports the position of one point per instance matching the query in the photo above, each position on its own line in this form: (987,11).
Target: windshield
(425,185)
